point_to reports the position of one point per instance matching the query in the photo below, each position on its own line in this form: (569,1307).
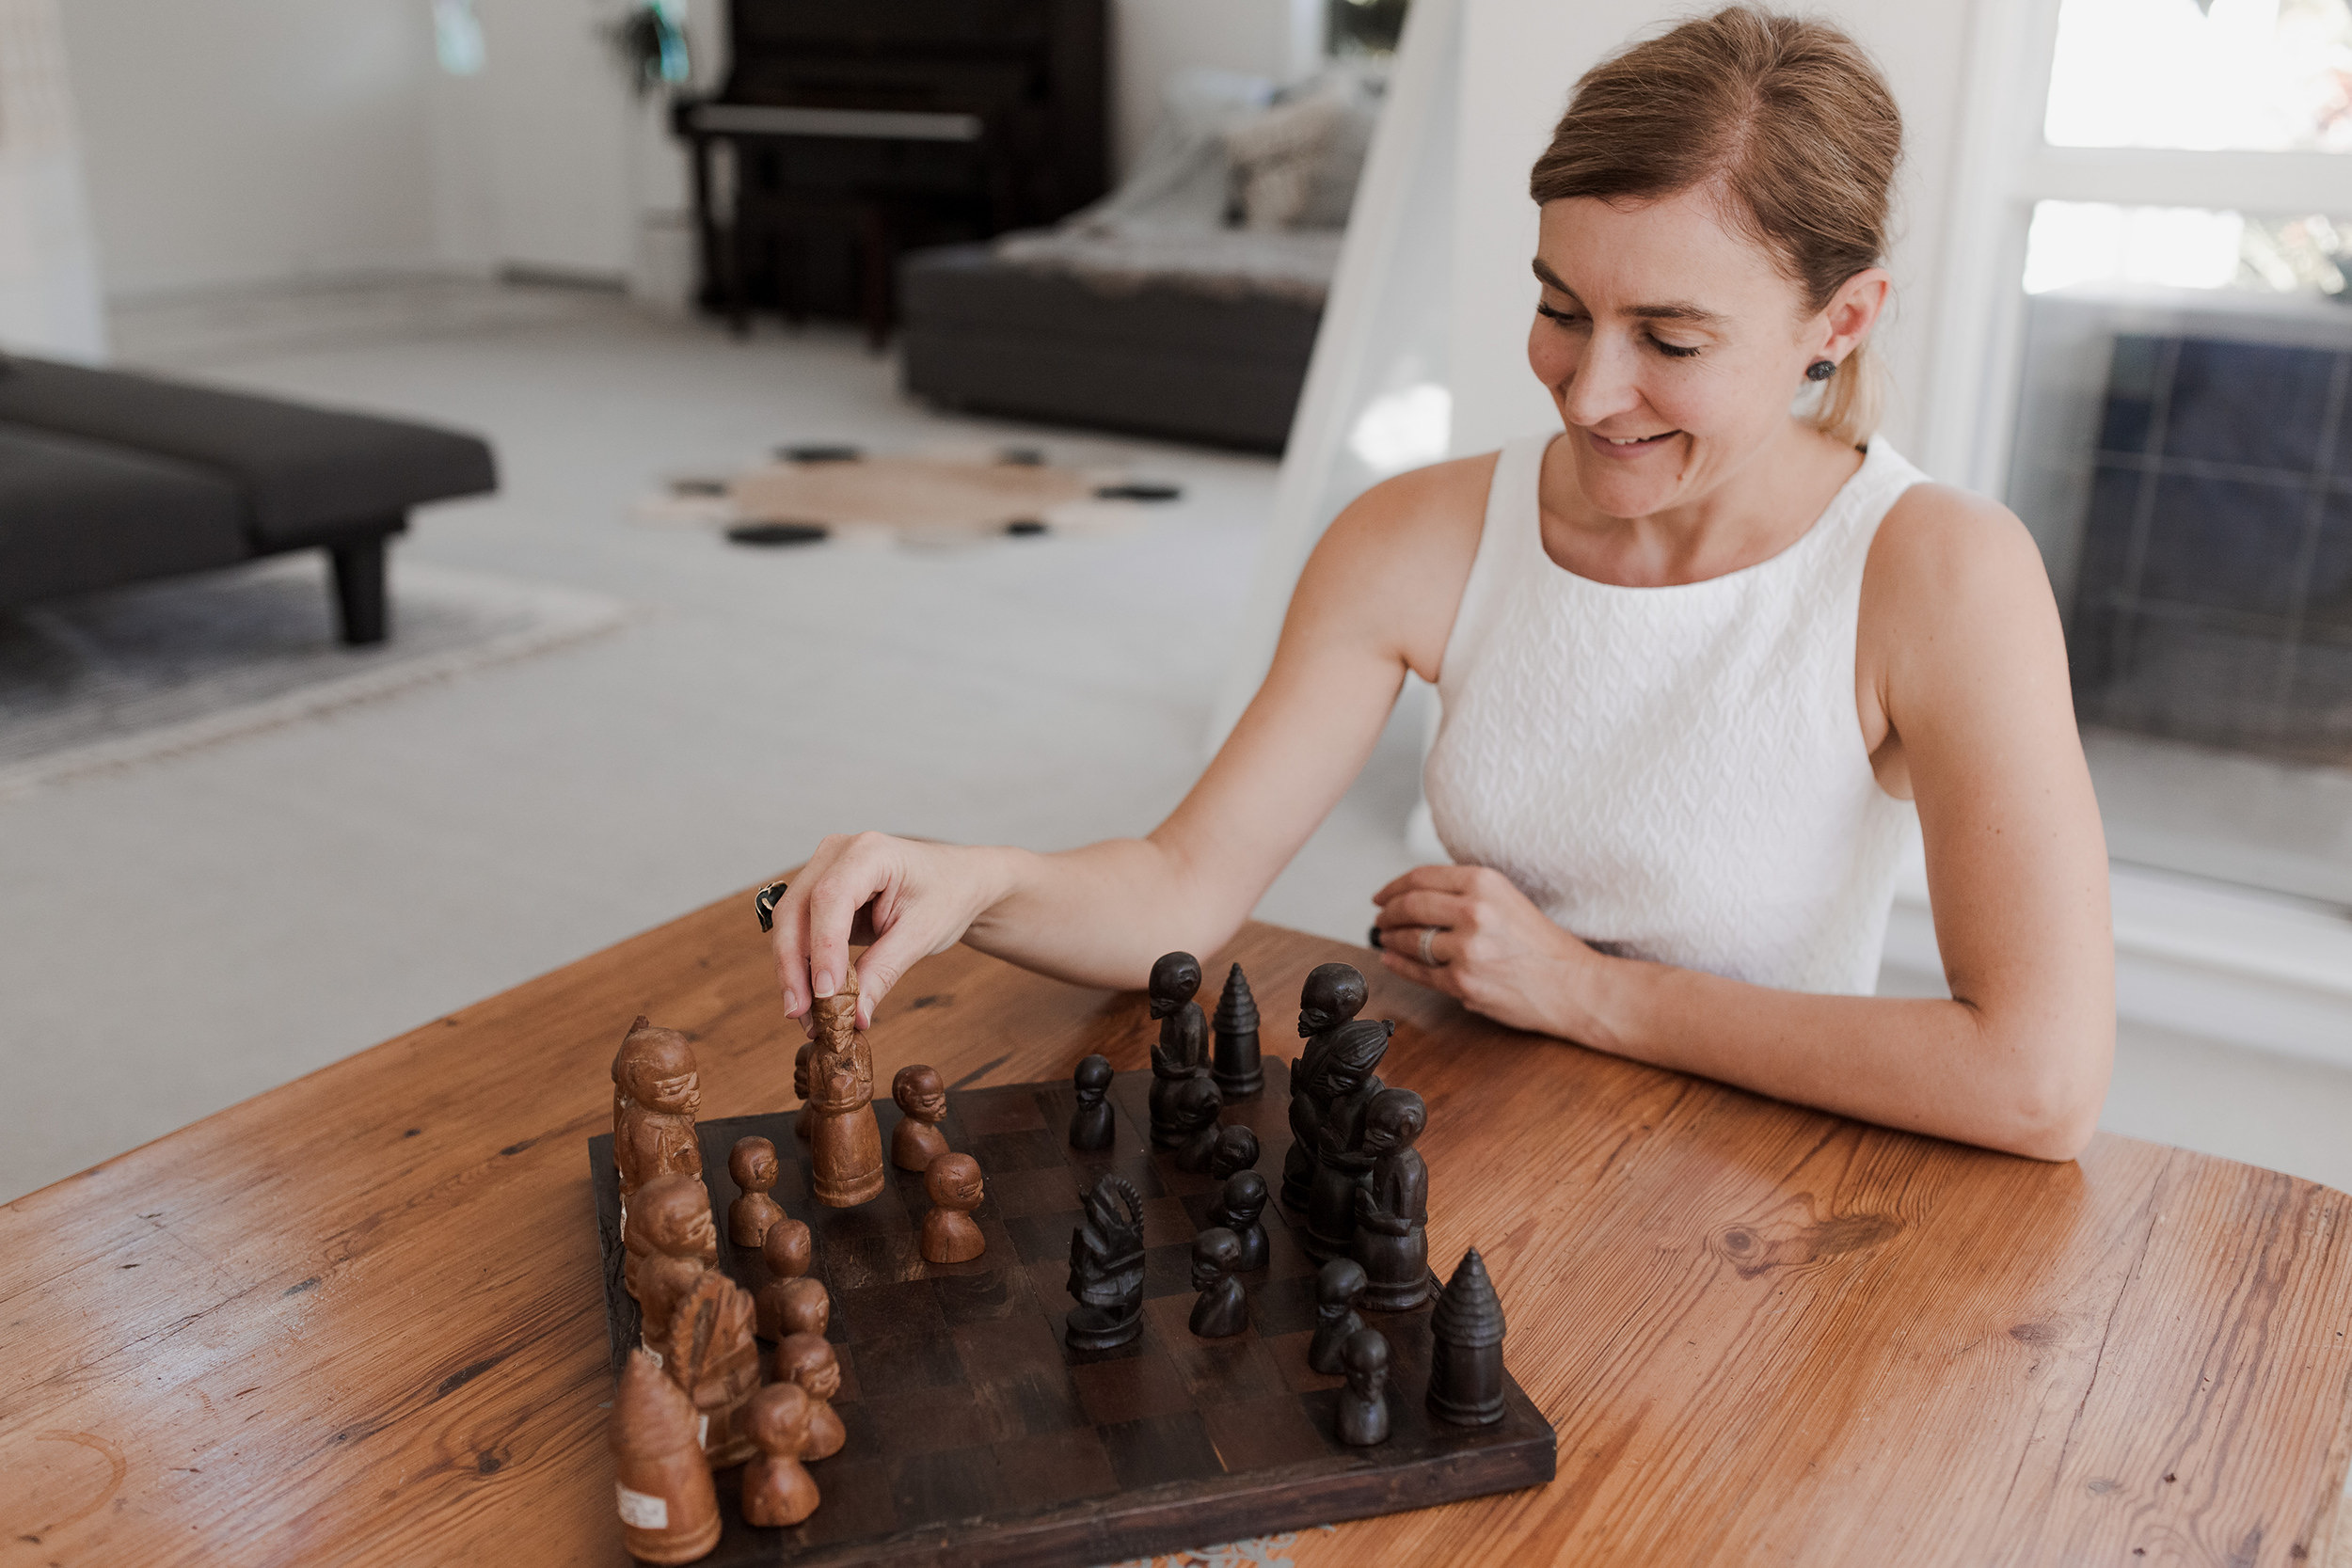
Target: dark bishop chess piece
(1466,1348)
(1092,1126)
(1334,993)
(1184,1048)
(1222,1311)
(1393,1209)
(1106,1267)
(1336,1290)
(1193,1113)
(1343,1166)
(1236,1150)
(1365,1402)
(1238,1206)
(1235,1065)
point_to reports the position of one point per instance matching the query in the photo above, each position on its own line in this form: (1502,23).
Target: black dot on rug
(821,454)
(1139,491)
(777,534)
(1025,527)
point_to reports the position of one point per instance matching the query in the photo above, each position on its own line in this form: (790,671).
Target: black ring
(765,902)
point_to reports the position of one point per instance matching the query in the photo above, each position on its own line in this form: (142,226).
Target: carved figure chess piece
(808,1359)
(667,1239)
(784,1258)
(1334,993)
(753,1164)
(1091,1125)
(1106,1267)
(1236,1067)
(804,1121)
(1341,1164)
(802,1307)
(659,1092)
(1466,1348)
(922,1097)
(1193,1112)
(777,1487)
(669,1509)
(845,1142)
(1223,1309)
(1239,1206)
(1393,1209)
(1337,1288)
(1365,1402)
(696,1320)
(1236,1150)
(1184,1048)
(950,1235)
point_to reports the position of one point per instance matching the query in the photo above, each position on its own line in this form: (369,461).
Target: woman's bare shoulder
(1943,545)
(1397,558)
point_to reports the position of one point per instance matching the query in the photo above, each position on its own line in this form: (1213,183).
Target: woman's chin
(1618,489)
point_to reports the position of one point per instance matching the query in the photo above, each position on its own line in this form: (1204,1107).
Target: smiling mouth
(1628,443)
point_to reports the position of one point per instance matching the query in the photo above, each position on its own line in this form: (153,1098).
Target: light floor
(181,935)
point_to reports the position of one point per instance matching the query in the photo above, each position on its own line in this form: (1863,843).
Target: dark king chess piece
(1193,1112)
(1336,1290)
(1365,1402)
(1393,1209)
(1183,1052)
(1466,1348)
(1235,1065)
(1106,1267)
(1091,1125)
(1239,1208)
(1343,1166)
(1223,1309)
(1334,993)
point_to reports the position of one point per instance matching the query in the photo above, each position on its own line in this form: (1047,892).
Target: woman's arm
(1377,598)
(1963,665)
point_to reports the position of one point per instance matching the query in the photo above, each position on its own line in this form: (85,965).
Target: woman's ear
(1852,311)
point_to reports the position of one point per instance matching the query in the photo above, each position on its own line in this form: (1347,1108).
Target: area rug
(113,679)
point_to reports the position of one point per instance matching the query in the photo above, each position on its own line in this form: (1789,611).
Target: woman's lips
(1614,446)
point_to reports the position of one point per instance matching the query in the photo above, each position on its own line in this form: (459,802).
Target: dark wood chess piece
(1342,1165)
(1393,1209)
(1091,1125)
(659,1092)
(1106,1267)
(669,1509)
(949,1236)
(784,1258)
(1363,1421)
(1334,993)
(1236,1150)
(1192,1113)
(845,1142)
(753,1164)
(923,1101)
(1239,1206)
(777,1488)
(1184,1048)
(1341,1282)
(1466,1348)
(809,1360)
(804,1119)
(1236,1067)
(1223,1309)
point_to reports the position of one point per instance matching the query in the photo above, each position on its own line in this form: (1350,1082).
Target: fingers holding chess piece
(1223,1309)
(1092,1126)
(669,1510)
(753,1164)
(783,1257)
(922,1098)
(1365,1402)
(777,1488)
(845,1140)
(809,1360)
(1193,1110)
(1239,1206)
(950,1235)
(1337,1288)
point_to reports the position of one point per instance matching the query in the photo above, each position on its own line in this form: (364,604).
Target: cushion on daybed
(76,516)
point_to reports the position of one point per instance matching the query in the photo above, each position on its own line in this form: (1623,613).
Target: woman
(1694,651)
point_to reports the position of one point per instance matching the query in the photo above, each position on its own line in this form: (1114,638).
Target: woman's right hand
(907,898)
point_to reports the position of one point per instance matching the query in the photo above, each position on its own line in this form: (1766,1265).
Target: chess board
(976,1436)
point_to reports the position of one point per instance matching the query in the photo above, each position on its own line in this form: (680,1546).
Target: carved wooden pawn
(1236,1150)
(1223,1309)
(1239,1206)
(669,1509)
(777,1488)
(753,1164)
(1182,1053)
(1337,1288)
(922,1097)
(1393,1209)
(950,1235)
(802,1307)
(845,1142)
(1192,1114)
(1363,1420)
(1092,1125)
(809,1360)
(784,1258)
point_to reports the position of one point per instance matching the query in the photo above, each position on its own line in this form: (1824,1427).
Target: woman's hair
(1793,122)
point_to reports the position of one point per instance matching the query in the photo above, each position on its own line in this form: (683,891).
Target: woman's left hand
(1495,952)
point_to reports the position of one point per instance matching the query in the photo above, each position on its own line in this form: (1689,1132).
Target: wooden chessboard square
(1261,1433)
(1005,1110)
(865,1262)
(1043,1238)
(1031,1403)
(1022,1194)
(1008,1348)
(1166,1270)
(857,1502)
(1048,1281)
(844,1357)
(1010,1152)
(1157,1450)
(1129,1389)
(1283,1304)
(882,1311)
(988,1294)
(1285,1257)
(1290,1355)
(929,1421)
(908,1364)
(936,1487)
(1168,1222)
(1056,1467)
(1223,1372)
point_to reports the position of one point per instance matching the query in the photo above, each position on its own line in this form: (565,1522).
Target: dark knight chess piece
(1466,1349)
(1236,1150)
(1336,1290)
(1106,1267)
(1193,1112)
(1343,1166)
(1365,1402)
(1092,1126)
(1222,1311)
(1239,1208)
(1334,993)
(1184,1048)
(1235,1065)
(1393,1209)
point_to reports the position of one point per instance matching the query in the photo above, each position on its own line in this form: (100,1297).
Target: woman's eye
(1565,318)
(1675,351)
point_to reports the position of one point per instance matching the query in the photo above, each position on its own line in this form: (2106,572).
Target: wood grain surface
(360,1319)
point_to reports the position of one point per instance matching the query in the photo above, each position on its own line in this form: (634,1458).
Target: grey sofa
(108,477)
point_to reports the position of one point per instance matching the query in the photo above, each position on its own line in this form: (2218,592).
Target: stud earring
(1821,370)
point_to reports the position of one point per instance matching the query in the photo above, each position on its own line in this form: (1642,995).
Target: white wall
(48,269)
(1149,38)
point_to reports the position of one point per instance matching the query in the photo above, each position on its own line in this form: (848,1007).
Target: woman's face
(1672,344)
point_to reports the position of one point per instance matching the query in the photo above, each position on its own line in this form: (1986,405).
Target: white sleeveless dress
(1674,773)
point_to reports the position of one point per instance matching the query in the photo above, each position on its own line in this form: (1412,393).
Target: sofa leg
(361,602)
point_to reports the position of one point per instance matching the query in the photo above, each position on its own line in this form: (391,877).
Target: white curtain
(49,298)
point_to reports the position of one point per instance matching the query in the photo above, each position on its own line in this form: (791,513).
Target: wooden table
(359,1319)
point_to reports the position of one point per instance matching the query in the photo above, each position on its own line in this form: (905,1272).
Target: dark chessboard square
(1285,1258)
(884,1311)
(1128,1389)
(1183,1182)
(938,1488)
(928,1422)
(1139,1171)
(1002,1110)
(1284,1306)
(885,1216)
(1008,1151)
(1049,1281)
(863,1262)
(1290,1358)
(1322,1410)
(1040,1237)
(1021,1193)
(1168,1221)
(1261,1434)
(1055,1468)
(1221,1372)
(1001,1290)
(856,1503)
(1160,1448)
(1031,1403)
(1168,1270)
(844,1357)
(1008,1348)
(909,1364)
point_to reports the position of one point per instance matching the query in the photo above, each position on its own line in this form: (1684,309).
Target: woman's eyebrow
(1673,310)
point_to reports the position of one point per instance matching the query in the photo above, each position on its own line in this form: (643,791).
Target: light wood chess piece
(922,1097)
(753,1164)
(808,1359)
(777,1488)
(949,1236)
(845,1142)
(669,1510)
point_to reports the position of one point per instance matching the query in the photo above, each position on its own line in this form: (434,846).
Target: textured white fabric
(1674,773)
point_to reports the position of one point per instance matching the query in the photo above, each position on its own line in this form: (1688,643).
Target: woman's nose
(1603,383)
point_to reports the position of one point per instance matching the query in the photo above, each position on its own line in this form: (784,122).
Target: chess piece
(804,1120)
(658,1092)
(667,1240)
(808,1359)
(948,1234)
(1238,1206)
(1106,1267)
(1336,1290)
(1334,995)
(1092,1126)
(1236,1150)
(802,1306)
(1393,1209)
(753,1163)
(669,1510)
(696,1320)
(1236,1067)
(1365,1402)
(1222,1311)
(784,1258)
(1343,1166)
(1466,1348)
(1192,1113)
(777,1489)
(845,1140)
(1183,1051)
(917,1141)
